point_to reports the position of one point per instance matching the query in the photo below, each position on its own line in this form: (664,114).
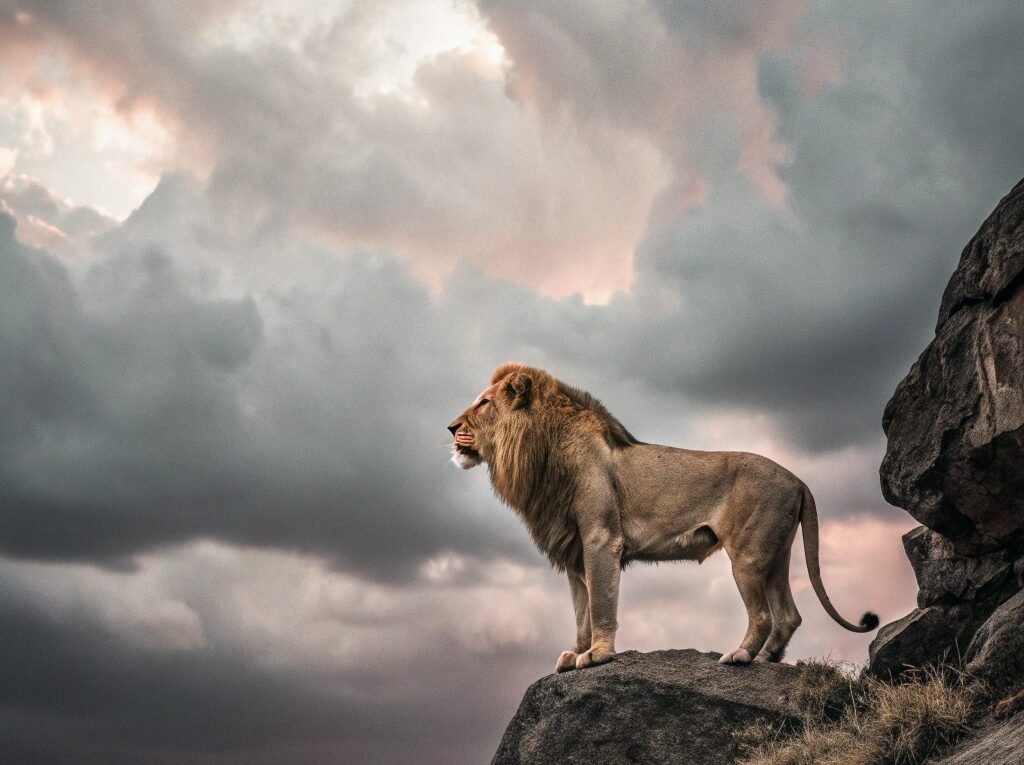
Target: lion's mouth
(466,457)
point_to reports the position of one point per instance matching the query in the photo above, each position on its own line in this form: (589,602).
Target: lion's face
(473,429)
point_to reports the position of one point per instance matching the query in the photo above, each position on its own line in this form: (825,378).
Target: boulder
(925,637)
(677,706)
(956,594)
(945,578)
(996,654)
(955,425)
(955,461)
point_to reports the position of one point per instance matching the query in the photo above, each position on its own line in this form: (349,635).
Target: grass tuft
(847,719)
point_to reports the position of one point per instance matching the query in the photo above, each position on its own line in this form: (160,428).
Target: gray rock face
(996,654)
(657,708)
(955,457)
(945,578)
(999,744)
(955,461)
(956,595)
(926,636)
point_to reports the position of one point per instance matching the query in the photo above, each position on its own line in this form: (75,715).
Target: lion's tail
(809,522)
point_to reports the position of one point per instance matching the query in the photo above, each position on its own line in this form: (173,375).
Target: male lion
(595,498)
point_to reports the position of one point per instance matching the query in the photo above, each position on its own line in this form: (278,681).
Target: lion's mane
(539,451)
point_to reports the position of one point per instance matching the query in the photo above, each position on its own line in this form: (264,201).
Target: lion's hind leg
(750,581)
(785,617)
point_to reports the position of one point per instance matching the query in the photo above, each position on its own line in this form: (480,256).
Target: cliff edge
(660,708)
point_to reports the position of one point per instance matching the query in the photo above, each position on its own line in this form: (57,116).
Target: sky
(255,256)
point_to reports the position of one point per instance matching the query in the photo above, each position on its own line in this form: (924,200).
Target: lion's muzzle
(464,449)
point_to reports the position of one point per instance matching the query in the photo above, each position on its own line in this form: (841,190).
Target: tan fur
(594,499)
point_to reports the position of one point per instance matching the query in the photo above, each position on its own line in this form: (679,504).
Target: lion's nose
(454,427)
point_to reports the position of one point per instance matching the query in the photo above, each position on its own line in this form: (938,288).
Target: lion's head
(534,432)
(511,391)
(516,418)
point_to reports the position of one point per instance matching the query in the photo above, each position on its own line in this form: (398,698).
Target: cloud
(296,662)
(683,76)
(8,157)
(145,406)
(47,221)
(452,170)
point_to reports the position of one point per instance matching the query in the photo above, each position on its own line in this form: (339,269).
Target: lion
(595,499)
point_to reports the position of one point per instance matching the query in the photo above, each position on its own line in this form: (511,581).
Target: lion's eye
(482,402)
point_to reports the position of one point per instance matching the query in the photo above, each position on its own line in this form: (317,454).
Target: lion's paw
(566,662)
(739,656)
(596,655)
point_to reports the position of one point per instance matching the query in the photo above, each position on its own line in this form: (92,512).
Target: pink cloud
(692,88)
(822,64)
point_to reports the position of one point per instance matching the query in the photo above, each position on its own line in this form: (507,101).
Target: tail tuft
(869,621)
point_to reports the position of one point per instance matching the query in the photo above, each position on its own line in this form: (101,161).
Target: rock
(955,461)
(998,744)
(955,425)
(657,708)
(993,259)
(956,595)
(996,654)
(925,637)
(945,578)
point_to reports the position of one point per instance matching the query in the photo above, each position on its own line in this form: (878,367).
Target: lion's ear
(519,390)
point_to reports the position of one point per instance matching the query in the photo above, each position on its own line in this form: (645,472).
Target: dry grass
(849,720)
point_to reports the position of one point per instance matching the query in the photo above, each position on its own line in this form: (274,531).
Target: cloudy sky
(254,256)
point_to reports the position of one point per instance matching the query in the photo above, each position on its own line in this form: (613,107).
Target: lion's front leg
(602,552)
(581,606)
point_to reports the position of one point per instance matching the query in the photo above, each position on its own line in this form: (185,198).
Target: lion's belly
(692,544)
(655,550)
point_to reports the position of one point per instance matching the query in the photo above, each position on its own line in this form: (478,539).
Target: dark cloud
(74,687)
(143,408)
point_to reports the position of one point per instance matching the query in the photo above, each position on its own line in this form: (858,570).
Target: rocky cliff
(955,461)
(955,457)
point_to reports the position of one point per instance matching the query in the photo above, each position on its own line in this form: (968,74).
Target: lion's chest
(555,535)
